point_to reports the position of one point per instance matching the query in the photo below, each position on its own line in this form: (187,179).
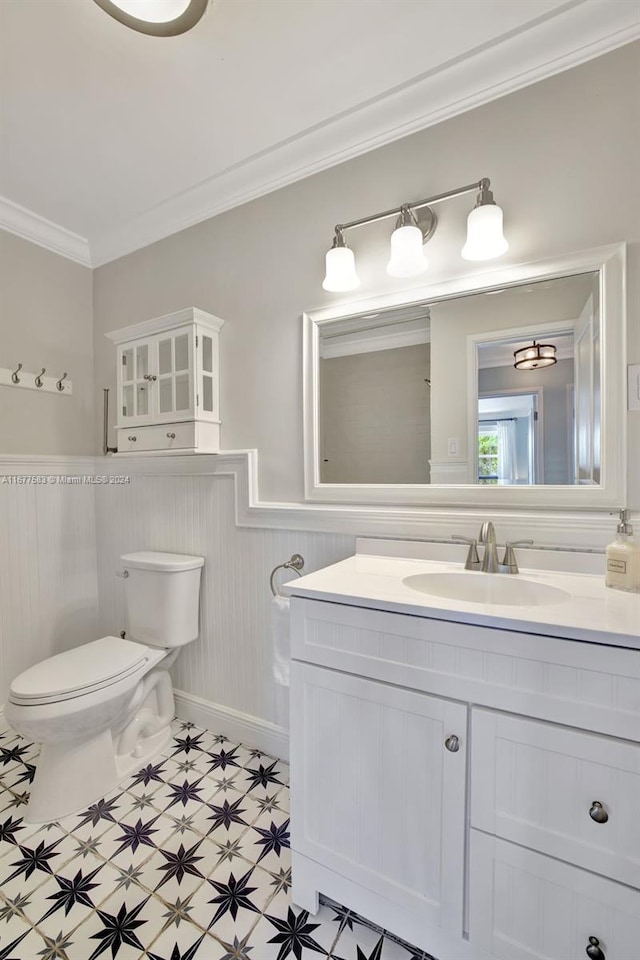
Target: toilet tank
(162,594)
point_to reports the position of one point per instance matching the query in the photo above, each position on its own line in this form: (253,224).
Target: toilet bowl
(104,710)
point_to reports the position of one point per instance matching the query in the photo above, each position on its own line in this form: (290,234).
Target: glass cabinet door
(135,382)
(208,393)
(175,386)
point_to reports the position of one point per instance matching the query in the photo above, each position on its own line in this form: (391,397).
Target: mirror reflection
(494,388)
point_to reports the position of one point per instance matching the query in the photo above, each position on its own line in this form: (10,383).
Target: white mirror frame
(611,262)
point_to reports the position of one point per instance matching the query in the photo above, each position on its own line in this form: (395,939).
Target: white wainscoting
(48,579)
(227,672)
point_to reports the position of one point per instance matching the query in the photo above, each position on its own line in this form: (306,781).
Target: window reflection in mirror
(429,392)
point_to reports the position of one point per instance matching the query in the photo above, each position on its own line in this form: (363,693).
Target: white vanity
(467,774)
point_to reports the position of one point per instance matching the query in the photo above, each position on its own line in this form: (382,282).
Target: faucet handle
(509,563)
(473,560)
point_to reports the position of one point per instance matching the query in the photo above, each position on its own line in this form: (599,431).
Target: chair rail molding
(583,530)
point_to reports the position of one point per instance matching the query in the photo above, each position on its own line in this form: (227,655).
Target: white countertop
(593,613)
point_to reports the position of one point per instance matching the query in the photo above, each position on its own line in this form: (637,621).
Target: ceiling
(110,139)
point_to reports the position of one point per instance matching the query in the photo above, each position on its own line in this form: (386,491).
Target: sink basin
(492,588)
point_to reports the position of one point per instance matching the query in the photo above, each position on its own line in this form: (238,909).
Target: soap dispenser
(623,558)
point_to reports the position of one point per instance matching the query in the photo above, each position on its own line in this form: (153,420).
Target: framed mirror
(505,388)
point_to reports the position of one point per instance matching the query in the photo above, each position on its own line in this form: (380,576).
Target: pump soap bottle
(623,558)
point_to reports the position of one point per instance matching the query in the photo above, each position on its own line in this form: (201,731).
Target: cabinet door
(526,906)
(135,384)
(207,374)
(175,386)
(376,795)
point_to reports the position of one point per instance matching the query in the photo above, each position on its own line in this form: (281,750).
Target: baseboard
(241,727)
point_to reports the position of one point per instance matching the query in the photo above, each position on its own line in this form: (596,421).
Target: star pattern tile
(187,860)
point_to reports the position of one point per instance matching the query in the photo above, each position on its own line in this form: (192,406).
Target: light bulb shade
(341,270)
(158,18)
(485,239)
(407,253)
(536,356)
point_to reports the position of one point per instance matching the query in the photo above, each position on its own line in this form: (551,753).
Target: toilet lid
(89,667)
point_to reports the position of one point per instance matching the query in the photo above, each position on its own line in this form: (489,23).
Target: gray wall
(375,416)
(46,320)
(563,187)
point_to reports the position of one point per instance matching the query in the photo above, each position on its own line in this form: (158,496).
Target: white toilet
(104,710)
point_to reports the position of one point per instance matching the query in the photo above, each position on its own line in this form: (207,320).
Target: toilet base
(72,775)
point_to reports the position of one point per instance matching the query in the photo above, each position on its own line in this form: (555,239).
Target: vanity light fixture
(407,253)
(535,356)
(158,18)
(485,239)
(340,266)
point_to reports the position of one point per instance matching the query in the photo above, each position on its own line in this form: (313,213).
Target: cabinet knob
(132,439)
(597,812)
(593,951)
(452,743)
(171,436)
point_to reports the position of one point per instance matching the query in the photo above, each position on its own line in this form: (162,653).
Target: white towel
(281,636)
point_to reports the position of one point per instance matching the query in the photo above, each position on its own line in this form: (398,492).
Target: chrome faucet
(490,562)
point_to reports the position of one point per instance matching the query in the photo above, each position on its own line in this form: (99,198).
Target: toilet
(104,710)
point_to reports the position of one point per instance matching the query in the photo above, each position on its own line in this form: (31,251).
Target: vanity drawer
(583,685)
(166,436)
(526,906)
(566,793)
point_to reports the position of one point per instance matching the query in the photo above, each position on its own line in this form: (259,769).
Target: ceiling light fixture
(158,18)
(535,356)
(485,239)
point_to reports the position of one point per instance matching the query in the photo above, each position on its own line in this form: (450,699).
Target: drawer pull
(132,439)
(452,743)
(593,951)
(598,813)
(171,436)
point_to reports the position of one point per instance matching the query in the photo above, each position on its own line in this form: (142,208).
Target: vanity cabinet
(475,791)
(168,384)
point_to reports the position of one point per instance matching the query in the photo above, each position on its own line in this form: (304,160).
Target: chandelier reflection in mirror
(158,18)
(535,356)
(485,237)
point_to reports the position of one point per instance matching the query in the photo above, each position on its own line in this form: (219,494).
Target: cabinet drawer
(541,785)
(166,436)
(526,906)
(582,685)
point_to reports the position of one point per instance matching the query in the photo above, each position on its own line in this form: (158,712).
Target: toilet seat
(81,671)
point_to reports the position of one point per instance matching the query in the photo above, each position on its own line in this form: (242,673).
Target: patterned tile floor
(188,860)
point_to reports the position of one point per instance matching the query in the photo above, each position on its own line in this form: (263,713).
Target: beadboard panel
(48,578)
(230,664)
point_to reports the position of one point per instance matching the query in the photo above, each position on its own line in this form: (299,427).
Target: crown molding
(30,226)
(566,37)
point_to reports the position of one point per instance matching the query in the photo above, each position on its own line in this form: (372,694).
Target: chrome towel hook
(40,376)
(14,376)
(59,382)
(296,563)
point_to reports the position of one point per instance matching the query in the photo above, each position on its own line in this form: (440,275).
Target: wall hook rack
(35,381)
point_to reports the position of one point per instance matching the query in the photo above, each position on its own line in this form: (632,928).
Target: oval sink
(492,588)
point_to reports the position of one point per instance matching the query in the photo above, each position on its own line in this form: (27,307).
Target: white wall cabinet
(522,843)
(168,377)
